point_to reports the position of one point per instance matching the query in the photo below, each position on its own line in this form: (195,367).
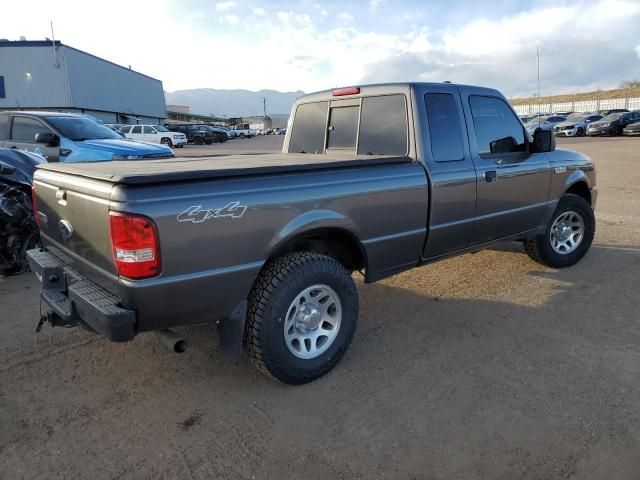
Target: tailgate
(74,218)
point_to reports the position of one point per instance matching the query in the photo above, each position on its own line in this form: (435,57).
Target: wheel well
(332,242)
(581,189)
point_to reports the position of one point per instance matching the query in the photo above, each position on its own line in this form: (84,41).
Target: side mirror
(47,138)
(543,141)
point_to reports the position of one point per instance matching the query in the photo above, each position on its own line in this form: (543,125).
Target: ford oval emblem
(66,230)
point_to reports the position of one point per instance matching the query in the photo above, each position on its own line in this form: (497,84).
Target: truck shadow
(488,361)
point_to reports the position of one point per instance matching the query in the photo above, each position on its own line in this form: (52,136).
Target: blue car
(72,137)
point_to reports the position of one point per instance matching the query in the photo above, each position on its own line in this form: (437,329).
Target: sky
(291,45)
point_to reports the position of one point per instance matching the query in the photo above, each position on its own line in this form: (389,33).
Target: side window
(25,129)
(125,129)
(383,126)
(136,129)
(309,127)
(148,130)
(444,127)
(4,127)
(497,129)
(343,126)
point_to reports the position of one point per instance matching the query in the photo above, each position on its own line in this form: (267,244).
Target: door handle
(490,176)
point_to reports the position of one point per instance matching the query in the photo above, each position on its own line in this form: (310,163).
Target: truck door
(451,171)
(512,184)
(23,133)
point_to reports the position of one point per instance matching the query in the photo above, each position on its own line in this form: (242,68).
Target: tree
(630,84)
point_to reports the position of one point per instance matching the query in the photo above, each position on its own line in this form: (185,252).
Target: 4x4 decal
(197,214)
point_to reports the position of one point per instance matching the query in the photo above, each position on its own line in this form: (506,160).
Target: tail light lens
(135,246)
(34,201)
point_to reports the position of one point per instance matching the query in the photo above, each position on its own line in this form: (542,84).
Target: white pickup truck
(243,131)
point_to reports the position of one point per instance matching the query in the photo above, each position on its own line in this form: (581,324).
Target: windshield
(612,116)
(160,128)
(82,128)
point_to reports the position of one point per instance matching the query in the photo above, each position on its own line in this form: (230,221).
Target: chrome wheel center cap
(563,232)
(308,318)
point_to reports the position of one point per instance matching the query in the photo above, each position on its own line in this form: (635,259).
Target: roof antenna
(56,63)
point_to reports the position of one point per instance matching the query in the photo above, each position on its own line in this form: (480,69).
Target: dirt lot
(483,366)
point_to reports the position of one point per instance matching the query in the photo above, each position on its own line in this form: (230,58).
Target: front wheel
(568,235)
(301,317)
(167,142)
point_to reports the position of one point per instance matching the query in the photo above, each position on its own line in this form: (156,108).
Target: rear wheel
(568,235)
(301,318)
(198,140)
(167,142)
(242,135)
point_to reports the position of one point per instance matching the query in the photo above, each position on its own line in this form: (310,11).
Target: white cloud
(224,6)
(346,17)
(231,19)
(283,16)
(261,12)
(583,44)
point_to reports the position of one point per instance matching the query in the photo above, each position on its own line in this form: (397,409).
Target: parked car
(632,129)
(198,133)
(154,134)
(243,131)
(575,125)
(544,123)
(613,124)
(222,134)
(265,245)
(18,225)
(230,133)
(71,137)
(604,113)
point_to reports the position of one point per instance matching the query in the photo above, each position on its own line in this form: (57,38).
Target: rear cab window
(373,125)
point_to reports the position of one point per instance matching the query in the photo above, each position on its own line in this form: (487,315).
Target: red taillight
(346,91)
(34,201)
(135,246)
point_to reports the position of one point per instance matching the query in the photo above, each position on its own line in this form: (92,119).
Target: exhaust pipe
(172,340)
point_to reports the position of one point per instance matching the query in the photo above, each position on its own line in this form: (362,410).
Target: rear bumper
(79,301)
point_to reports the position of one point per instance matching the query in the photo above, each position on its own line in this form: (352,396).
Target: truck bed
(139,172)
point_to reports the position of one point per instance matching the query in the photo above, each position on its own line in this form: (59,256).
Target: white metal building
(47,75)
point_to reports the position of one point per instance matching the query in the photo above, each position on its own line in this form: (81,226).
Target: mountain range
(232,103)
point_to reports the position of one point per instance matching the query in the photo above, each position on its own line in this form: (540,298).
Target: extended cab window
(383,126)
(497,129)
(445,127)
(137,130)
(25,129)
(148,130)
(125,129)
(309,126)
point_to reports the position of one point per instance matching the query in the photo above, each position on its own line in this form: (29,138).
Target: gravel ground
(484,366)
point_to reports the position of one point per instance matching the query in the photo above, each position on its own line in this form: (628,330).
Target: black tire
(242,135)
(222,137)
(540,248)
(198,140)
(271,297)
(580,132)
(167,142)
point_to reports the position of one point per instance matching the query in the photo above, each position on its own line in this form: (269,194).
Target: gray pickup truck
(374,179)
